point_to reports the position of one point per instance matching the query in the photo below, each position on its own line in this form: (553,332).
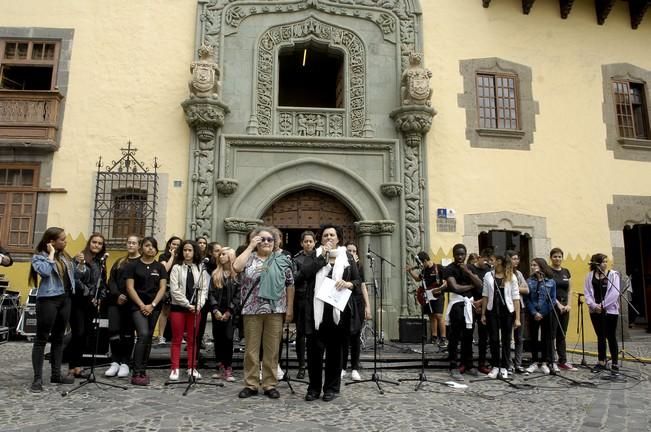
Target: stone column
(238,228)
(204,112)
(413,122)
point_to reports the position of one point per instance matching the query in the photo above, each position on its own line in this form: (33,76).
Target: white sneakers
(121,370)
(343,373)
(113,370)
(532,368)
(555,368)
(544,369)
(504,374)
(279,373)
(124,371)
(174,375)
(355,375)
(195,373)
(493,373)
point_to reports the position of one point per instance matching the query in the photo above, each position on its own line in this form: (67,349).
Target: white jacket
(178,276)
(511,291)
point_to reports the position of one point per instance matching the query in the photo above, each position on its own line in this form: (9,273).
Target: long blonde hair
(218,274)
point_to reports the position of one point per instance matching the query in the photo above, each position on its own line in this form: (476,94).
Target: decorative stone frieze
(413,119)
(241,225)
(311,122)
(391,190)
(226,186)
(205,116)
(375,227)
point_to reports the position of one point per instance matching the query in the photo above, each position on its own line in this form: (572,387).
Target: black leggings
(52,315)
(82,313)
(120,332)
(144,326)
(503,325)
(222,334)
(605,326)
(547,326)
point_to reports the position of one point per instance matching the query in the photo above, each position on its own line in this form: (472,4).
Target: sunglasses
(266,239)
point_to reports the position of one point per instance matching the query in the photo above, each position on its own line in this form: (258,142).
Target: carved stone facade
(264,152)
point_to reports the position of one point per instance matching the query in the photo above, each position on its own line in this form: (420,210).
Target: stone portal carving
(415,88)
(205,75)
(204,113)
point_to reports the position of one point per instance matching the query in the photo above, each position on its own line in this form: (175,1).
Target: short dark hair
(151,240)
(308,233)
(555,251)
(459,246)
(423,256)
(487,252)
(337,228)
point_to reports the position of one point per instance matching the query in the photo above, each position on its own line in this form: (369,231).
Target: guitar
(421,296)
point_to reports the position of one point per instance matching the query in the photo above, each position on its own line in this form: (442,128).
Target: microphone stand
(423,331)
(192,380)
(621,322)
(286,378)
(552,373)
(91,379)
(375,377)
(580,327)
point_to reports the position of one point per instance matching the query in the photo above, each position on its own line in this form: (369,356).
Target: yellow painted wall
(568,176)
(128,75)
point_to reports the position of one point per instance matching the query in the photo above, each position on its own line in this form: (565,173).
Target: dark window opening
(502,240)
(637,250)
(129,209)
(311,75)
(26,77)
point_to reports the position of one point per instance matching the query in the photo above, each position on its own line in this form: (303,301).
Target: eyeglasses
(266,239)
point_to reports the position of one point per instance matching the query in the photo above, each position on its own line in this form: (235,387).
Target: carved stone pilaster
(205,116)
(391,190)
(375,227)
(226,186)
(413,122)
(241,225)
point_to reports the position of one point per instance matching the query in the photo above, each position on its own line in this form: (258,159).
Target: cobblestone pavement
(551,405)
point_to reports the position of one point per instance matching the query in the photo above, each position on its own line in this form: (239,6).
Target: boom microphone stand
(192,380)
(91,379)
(621,321)
(579,327)
(375,377)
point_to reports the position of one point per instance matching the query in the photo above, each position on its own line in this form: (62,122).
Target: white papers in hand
(328,293)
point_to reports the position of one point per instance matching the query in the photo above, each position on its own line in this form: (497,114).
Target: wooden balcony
(29,119)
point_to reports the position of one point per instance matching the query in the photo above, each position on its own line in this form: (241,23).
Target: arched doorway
(308,210)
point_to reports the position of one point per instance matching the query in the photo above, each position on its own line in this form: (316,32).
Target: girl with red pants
(187,280)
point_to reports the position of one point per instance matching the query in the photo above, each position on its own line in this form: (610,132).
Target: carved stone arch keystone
(310,28)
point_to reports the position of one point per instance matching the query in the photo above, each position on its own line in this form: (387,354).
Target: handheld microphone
(105,257)
(368,251)
(205,261)
(418,260)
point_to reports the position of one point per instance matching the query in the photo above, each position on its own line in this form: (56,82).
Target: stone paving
(552,405)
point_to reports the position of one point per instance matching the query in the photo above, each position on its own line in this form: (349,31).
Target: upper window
(497,101)
(631,109)
(311,75)
(18,191)
(28,64)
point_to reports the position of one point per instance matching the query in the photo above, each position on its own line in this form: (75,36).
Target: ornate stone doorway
(307,210)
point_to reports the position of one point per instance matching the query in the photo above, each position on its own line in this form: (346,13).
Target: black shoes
(272,393)
(37,386)
(58,379)
(300,374)
(328,396)
(247,392)
(311,396)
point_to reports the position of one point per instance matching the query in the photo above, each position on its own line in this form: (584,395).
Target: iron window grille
(126,194)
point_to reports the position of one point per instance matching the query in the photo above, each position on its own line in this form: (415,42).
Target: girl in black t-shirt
(146,284)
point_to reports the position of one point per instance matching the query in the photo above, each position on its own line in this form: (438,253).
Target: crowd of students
(260,287)
(489,294)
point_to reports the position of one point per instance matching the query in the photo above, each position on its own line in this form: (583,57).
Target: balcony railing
(29,118)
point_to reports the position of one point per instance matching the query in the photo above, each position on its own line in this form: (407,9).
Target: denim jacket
(51,283)
(540,293)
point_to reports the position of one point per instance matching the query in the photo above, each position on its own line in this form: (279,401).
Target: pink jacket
(611,298)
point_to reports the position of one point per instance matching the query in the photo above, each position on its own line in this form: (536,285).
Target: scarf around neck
(341,262)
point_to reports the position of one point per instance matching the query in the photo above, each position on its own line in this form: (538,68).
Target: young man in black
(480,268)
(461,283)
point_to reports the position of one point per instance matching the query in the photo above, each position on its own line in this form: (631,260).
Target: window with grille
(497,101)
(18,193)
(125,199)
(631,109)
(28,64)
